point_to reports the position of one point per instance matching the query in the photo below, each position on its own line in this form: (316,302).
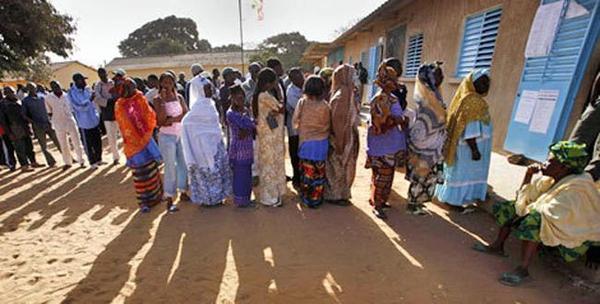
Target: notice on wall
(526,106)
(543,29)
(544,108)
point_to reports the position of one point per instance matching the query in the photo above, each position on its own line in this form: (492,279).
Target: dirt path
(76,237)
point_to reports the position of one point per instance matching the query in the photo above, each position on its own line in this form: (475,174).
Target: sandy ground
(76,237)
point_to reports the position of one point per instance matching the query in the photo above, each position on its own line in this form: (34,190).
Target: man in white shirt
(294,93)
(104,99)
(63,122)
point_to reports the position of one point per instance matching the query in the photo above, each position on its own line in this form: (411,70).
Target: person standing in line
(312,118)
(228,80)
(250,84)
(58,104)
(88,120)
(294,93)
(587,129)
(400,92)
(215,78)
(181,83)
(344,139)
(106,102)
(326,74)
(279,91)
(7,150)
(268,112)
(18,130)
(170,110)
(209,174)
(241,154)
(468,148)
(137,120)
(384,139)
(35,112)
(249,87)
(427,135)
(152,92)
(196,70)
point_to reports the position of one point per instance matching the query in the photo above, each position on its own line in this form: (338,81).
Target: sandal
(386,205)
(379,213)
(479,247)
(416,210)
(172,208)
(514,278)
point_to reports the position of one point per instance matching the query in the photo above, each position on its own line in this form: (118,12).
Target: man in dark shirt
(7,152)
(35,112)
(17,129)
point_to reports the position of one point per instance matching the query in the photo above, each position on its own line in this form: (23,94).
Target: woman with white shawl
(204,151)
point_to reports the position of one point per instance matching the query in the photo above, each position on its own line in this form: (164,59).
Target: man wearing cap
(34,109)
(105,101)
(87,118)
(196,70)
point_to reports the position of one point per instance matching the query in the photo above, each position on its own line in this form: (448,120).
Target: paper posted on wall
(526,106)
(543,29)
(544,109)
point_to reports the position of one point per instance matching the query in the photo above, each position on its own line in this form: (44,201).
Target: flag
(258,6)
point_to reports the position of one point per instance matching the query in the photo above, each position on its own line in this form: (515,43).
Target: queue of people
(220,140)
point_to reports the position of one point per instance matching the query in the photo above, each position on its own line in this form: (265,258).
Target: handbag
(272,121)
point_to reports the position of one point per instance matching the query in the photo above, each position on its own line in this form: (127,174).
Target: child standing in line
(241,152)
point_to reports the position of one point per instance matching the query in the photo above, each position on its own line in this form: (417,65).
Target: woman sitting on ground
(559,208)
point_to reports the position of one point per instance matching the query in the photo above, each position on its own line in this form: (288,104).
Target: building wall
(442,23)
(65,74)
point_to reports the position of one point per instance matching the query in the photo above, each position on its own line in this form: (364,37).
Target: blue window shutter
(413,55)
(561,62)
(479,41)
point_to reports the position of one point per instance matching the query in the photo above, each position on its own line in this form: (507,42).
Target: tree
(227,48)
(28,30)
(288,47)
(38,70)
(170,35)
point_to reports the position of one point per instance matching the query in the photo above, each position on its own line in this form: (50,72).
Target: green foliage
(227,48)
(38,70)
(28,30)
(170,35)
(288,47)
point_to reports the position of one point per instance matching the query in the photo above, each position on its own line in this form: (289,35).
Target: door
(375,54)
(553,80)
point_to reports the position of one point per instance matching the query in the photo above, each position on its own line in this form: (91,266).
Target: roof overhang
(315,51)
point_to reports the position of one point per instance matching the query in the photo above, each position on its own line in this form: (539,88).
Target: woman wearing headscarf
(343,148)
(312,119)
(268,112)
(209,175)
(426,139)
(384,139)
(326,73)
(468,148)
(136,121)
(559,208)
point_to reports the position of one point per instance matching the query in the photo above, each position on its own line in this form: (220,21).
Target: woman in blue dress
(468,147)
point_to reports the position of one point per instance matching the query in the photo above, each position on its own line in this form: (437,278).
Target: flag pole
(241,35)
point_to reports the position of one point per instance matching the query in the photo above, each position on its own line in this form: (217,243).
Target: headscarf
(381,103)
(466,106)
(570,154)
(326,73)
(201,131)
(342,100)
(386,78)
(136,120)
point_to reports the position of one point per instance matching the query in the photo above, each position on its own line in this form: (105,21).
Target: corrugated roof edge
(374,14)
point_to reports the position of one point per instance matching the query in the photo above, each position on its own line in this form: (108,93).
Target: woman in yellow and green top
(559,208)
